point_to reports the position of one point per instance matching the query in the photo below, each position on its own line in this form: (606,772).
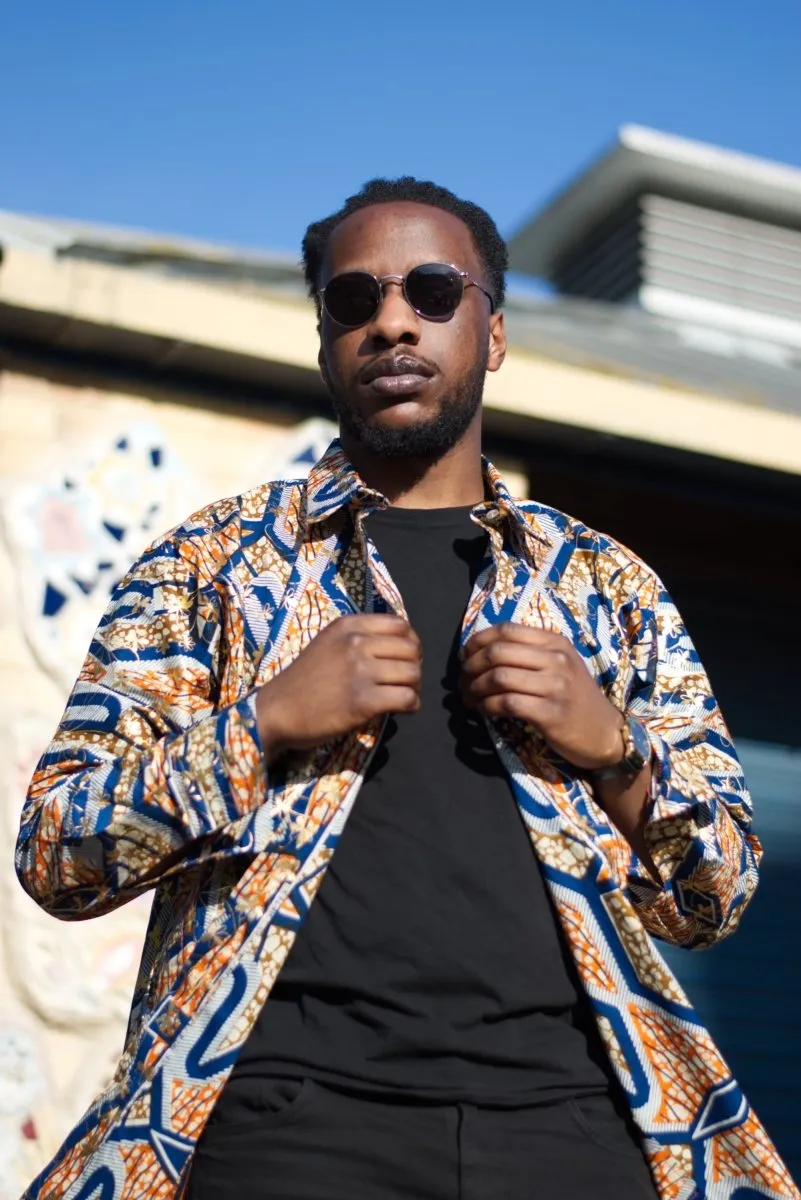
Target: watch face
(641,743)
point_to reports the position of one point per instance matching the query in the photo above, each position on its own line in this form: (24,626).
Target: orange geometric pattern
(685,1062)
(592,967)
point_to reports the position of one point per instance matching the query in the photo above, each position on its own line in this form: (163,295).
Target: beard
(428,439)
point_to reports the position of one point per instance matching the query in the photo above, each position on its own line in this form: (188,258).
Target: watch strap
(636,748)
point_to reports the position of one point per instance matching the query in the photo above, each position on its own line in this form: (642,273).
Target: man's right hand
(357,668)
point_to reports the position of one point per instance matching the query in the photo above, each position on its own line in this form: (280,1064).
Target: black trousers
(305,1141)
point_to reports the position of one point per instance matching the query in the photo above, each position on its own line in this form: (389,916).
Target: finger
(507,654)
(533,709)
(397,700)
(397,672)
(398,648)
(508,679)
(510,631)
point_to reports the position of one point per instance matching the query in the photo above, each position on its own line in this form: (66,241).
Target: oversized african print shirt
(156,780)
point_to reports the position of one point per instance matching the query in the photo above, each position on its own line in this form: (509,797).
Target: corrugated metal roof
(630,342)
(600,336)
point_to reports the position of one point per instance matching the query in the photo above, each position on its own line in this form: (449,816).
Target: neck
(452,481)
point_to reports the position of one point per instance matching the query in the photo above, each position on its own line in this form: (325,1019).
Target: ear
(323,365)
(497,341)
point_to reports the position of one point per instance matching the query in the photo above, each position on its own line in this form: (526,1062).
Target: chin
(409,428)
(402,415)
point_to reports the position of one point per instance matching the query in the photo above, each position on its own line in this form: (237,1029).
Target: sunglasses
(433,290)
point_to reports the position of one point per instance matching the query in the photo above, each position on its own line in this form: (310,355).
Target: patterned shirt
(156,779)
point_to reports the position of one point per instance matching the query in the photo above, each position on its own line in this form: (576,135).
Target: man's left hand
(536,676)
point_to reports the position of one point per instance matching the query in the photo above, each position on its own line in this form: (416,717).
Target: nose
(396,323)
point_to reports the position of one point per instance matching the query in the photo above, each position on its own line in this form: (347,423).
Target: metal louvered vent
(605,265)
(720,257)
(657,243)
(703,237)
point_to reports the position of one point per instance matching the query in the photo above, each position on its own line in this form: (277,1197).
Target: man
(476,731)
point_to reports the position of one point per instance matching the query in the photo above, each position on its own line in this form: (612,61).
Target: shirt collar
(333,483)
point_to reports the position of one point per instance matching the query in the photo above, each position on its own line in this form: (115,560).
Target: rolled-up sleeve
(698,829)
(145,770)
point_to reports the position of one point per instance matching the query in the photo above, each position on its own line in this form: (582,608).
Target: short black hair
(489,244)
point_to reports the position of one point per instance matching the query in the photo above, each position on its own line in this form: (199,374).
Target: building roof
(242,315)
(599,336)
(159,253)
(642,161)
(630,342)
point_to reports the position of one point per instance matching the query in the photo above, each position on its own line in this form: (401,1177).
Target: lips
(397,375)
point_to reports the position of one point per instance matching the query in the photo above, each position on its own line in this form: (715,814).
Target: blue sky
(242,121)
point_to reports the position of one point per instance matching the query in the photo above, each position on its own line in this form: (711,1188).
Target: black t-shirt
(431,963)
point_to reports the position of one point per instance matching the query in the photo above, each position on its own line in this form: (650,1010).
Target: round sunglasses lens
(435,290)
(352,299)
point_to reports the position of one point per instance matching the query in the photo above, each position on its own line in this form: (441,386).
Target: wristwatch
(636,753)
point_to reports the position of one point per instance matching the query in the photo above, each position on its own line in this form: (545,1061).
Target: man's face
(427,409)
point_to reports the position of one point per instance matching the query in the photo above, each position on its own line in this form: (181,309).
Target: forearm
(627,803)
(273,741)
